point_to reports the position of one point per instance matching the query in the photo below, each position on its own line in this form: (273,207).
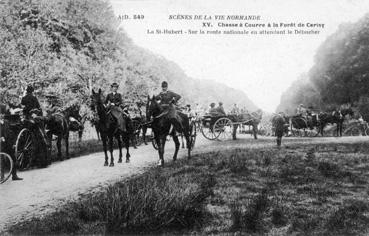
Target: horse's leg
(160,140)
(111,142)
(98,133)
(104,141)
(188,143)
(176,144)
(66,139)
(144,130)
(58,145)
(182,141)
(126,144)
(117,137)
(80,132)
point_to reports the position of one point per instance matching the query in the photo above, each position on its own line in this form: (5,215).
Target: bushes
(152,202)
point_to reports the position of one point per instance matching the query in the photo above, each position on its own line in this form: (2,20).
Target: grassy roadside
(298,190)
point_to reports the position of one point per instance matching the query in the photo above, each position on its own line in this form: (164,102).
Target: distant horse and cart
(223,127)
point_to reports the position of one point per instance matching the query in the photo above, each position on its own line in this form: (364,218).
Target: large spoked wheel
(296,131)
(192,135)
(223,129)
(207,132)
(355,131)
(24,149)
(6,167)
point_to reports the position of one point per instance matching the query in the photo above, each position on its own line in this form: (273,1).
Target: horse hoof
(161,163)
(174,158)
(120,161)
(111,164)
(128,161)
(106,164)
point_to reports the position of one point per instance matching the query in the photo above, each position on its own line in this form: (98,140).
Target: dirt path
(42,190)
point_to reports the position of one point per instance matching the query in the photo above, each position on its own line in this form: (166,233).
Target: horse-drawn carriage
(223,127)
(28,142)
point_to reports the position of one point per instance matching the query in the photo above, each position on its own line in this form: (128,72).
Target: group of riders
(32,111)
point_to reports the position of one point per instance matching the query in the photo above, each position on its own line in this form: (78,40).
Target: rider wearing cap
(114,101)
(166,96)
(167,100)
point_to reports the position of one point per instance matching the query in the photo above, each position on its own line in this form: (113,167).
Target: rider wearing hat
(30,102)
(166,96)
(114,101)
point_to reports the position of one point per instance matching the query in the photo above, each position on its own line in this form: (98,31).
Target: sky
(263,66)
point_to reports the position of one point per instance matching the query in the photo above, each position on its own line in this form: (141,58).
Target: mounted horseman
(114,102)
(168,121)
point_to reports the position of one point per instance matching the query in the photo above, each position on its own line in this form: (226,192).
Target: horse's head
(153,108)
(96,100)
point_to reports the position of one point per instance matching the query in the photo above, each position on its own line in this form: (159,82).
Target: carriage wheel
(208,133)
(192,135)
(24,149)
(366,131)
(6,167)
(223,128)
(355,131)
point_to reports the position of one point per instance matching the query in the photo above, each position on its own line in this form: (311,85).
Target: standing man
(114,101)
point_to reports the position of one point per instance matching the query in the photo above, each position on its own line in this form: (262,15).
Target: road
(43,190)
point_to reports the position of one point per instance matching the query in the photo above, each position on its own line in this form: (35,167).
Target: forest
(67,48)
(340,74)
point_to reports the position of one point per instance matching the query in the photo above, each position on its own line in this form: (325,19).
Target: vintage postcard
(187,117)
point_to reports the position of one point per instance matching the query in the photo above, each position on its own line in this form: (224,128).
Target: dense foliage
(68,47)
(340,74)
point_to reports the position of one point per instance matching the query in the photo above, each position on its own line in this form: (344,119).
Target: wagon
(26,147)
(224,127)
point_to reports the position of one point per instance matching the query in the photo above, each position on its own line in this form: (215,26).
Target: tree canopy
(67,47)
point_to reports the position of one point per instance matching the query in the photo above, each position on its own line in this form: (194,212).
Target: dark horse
(75,120)
(163,124)
(57,124)
(248,119)
(108,128)
(336,117)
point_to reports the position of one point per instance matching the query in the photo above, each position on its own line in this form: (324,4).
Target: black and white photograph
(184,117)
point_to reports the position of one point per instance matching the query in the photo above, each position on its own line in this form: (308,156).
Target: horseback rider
(168,100)
(115,103)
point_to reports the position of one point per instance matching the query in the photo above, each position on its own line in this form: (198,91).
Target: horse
(75,120)
(57,124)
(336,117)
(163,124)
(252,120)
(108,128)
